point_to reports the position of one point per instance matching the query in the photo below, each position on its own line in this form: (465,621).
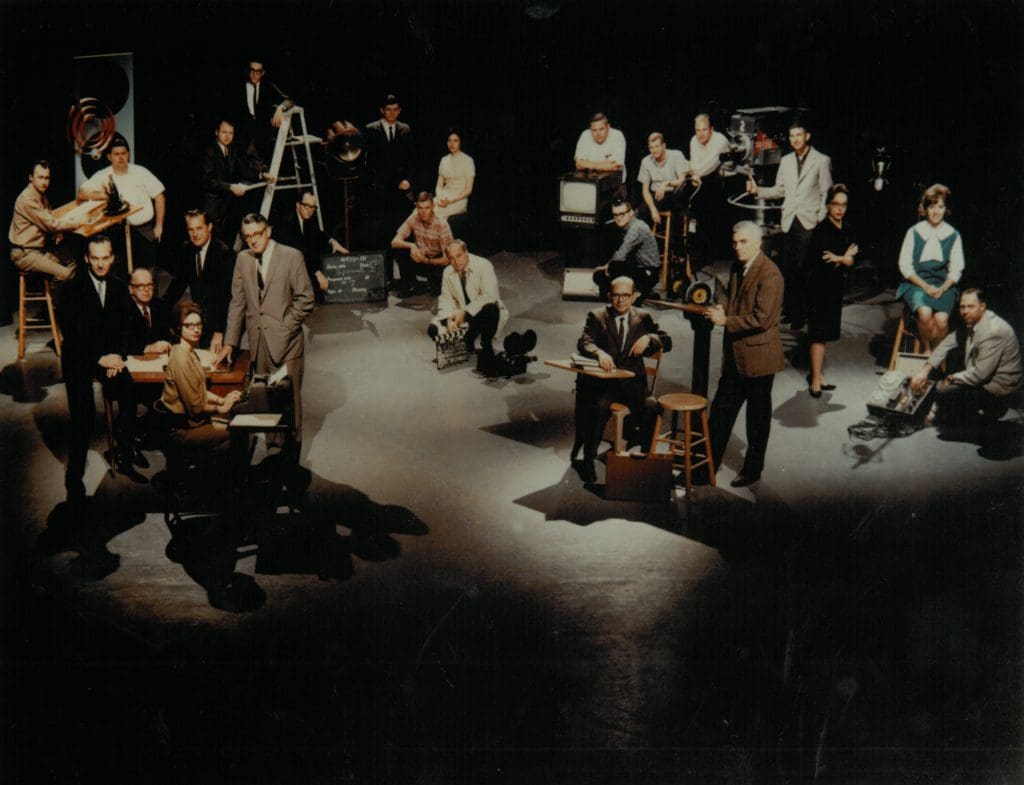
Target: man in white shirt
(708,207)
(662,175)
(601,148)
(139,188)
(469,299)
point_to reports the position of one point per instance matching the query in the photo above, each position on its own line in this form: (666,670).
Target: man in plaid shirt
(431,236)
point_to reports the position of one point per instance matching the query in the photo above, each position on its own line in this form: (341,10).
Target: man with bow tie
(752,351)
(617,336)
(982,392)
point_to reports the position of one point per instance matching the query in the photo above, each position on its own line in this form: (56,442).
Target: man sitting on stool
(469,298)
(982,392)
(637,258)
(618,336)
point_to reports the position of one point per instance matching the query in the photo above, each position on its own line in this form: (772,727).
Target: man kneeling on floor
(981,393)
(469,300)
(618,336)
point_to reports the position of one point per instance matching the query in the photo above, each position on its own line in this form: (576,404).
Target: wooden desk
(98,222)
(223,380)
(597,373)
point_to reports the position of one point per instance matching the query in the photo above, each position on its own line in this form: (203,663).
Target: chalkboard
(354,278)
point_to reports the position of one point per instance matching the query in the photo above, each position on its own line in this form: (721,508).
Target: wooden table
(99,222)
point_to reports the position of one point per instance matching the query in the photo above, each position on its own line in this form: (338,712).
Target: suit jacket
(277,317)
(389,162)
(256,127)
(994,362)
(310,241)
(752,311)
(218,172)
(140,333)
(91,330)
(212,289)
(600,332)
(804,195)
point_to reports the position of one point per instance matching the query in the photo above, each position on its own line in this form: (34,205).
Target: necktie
(199,264)
(462,280)
(259,272)
(391,133)
(149,317)
(102,291)
(255,98)
(622,333)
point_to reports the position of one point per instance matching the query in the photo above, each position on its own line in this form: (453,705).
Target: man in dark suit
(149,318)
(752,352)
(389,154)
(94,317)
(302,231)
(205,268)
(617,336)
(260,109)
(225,167)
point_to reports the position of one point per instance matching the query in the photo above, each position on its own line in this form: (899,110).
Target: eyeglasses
(141,285)
(622,295)
(193,325)
(619,215)
(307,206)
(255,235)
(255,70)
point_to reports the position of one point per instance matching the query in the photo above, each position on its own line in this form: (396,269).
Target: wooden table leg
(128,245)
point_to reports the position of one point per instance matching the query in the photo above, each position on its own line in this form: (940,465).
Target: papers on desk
(278,376)
(206,357)
(144,364)
(256,421)
(582,361)
(80,214)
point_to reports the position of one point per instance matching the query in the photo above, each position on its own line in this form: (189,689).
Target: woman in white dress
(455,177)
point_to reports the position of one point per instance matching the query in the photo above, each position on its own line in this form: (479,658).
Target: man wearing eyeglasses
(637,257)
(617,336)
(302,231)
(261,112)
(149,322)
(271,291)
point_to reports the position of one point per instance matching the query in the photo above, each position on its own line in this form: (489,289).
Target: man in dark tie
(261,110)
(149,320)
(94,314)
(302,231)
(618,336)
(205,267)
(752,351)
(389,155)
(227,165)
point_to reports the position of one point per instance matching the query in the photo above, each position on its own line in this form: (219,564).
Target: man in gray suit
(272,291)
(982,392)
(751,354)
(802,182)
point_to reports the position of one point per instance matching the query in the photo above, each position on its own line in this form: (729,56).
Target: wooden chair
(27,295)
(685,448)
(613,432)
(903,333)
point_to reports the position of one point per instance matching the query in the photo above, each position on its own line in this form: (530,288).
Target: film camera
(515,358)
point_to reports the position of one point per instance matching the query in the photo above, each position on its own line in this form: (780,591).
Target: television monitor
(584,199)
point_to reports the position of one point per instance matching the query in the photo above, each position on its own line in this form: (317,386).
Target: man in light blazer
(271,290)
(802,182)
(469,299)
(983,390)
(617,336)
(752,351)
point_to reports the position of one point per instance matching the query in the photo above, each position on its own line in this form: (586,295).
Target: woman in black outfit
(832,250)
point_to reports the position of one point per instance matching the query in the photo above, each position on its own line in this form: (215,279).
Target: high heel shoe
(824,387)
(814,393)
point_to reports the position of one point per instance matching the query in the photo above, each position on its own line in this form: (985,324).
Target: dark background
(938,83)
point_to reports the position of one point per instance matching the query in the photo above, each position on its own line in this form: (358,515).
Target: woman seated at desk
(187,403)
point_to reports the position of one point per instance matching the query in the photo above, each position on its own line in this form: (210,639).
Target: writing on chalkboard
(354,278)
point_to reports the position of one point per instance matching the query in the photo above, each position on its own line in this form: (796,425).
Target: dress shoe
(824,387)
(743,480)
(139,459)
(814,393)
(587,471)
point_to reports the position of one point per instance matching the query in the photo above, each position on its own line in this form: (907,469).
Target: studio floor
(453,605)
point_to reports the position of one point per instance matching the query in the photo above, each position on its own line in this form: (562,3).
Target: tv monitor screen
(577,197)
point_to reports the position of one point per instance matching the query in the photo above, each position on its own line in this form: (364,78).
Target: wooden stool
(687,403)
(902,333)
(665,235)
(26,295)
